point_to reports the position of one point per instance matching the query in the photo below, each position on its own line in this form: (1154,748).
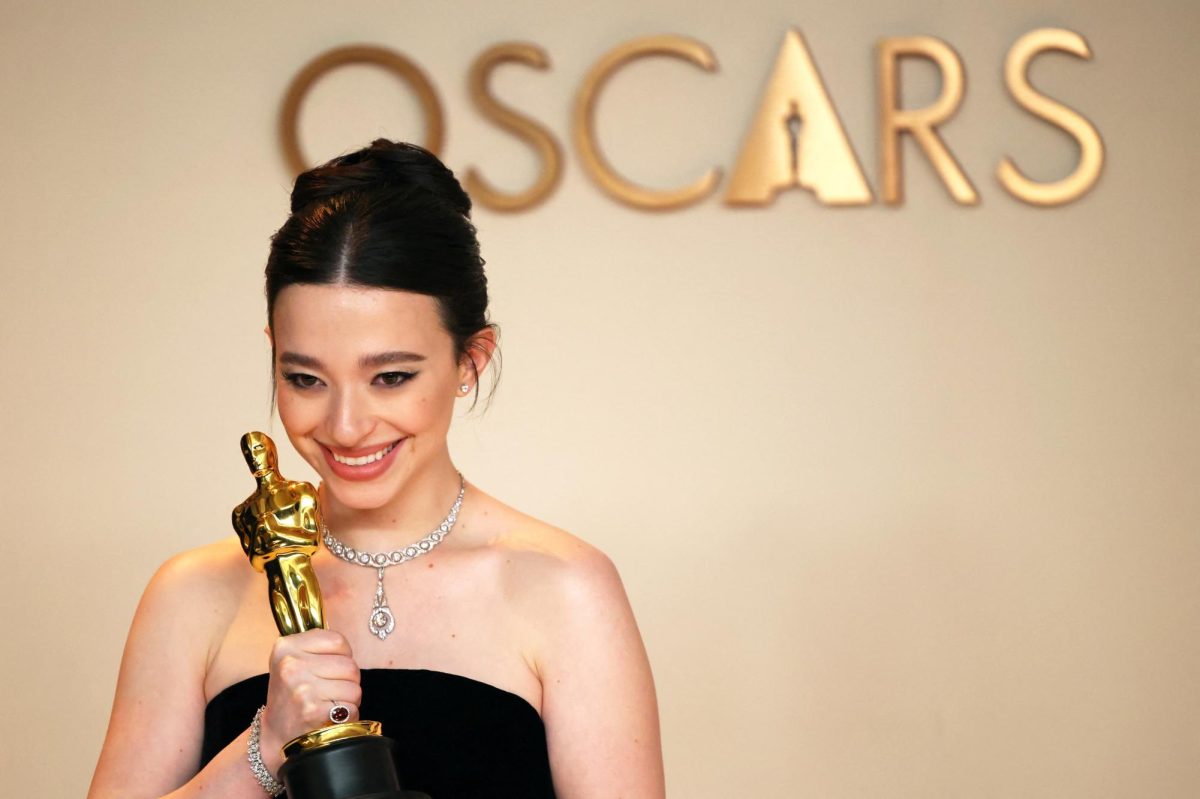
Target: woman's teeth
(365,459)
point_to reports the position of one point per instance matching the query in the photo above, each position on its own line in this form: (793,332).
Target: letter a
(797,139)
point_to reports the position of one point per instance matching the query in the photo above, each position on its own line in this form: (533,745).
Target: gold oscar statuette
(279,526)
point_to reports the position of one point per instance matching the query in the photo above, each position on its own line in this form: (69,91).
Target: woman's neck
(419,506)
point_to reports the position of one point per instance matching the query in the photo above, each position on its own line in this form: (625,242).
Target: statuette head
(259,451)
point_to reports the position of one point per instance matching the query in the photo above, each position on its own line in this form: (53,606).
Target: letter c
(585,132)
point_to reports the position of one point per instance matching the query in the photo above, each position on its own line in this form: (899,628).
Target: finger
(339,691)
(322,642)
(312,704)
(292,671)
(313,642)
(334,667)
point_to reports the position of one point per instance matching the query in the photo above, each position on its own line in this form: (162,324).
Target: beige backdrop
(905,499)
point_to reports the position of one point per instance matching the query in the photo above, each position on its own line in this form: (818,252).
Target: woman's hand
(310,671)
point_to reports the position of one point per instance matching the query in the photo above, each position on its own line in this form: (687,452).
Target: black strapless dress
(456,738)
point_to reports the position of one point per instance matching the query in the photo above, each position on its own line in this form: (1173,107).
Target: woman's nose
(350,418)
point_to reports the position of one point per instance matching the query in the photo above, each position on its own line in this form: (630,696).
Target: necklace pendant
(382,622)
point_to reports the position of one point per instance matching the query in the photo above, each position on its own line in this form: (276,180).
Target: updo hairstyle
(388,216)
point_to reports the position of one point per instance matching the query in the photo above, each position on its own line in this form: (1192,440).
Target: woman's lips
(367,471)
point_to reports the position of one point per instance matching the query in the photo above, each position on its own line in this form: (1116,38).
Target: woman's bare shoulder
(547,565)
(536,543)
(209,569)
(198,587)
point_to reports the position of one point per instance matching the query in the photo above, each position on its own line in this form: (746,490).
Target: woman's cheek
(286,406)
(296,414)
(430,411)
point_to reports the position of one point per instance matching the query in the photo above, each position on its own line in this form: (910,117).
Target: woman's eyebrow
(296,359)
(385,358)
(366,362)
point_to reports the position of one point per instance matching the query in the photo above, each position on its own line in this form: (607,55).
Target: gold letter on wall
(390,60)
(585,132)
(920,122)
(1091,149)
(524,128)
(797,139)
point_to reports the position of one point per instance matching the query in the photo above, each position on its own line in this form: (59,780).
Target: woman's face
(366,380)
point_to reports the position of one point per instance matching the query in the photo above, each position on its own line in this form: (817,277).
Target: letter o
(390,60)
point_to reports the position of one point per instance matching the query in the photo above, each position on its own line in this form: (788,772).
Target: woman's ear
(479,350)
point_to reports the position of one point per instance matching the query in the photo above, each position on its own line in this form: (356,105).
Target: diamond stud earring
(464,388)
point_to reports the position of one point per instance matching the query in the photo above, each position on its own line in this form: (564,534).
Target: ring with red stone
(339,713)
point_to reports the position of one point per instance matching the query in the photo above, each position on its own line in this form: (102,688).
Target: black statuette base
(352,768)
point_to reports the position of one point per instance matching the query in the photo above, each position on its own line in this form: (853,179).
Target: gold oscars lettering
(795,141)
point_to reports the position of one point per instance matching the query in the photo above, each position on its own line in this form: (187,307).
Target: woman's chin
(358,496)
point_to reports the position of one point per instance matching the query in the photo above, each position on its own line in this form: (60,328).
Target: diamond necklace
(381,621)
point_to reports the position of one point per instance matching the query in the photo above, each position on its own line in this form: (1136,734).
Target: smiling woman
(506,662)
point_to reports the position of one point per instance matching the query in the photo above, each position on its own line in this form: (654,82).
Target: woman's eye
(395,378)
(300,380)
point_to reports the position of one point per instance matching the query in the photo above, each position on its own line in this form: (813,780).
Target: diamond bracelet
(272,786)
